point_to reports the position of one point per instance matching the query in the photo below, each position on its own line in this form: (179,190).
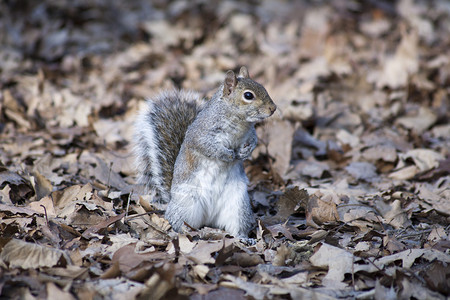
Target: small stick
(45,213)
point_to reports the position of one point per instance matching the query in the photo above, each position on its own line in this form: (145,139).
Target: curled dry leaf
(42,186)
(321,209)
(424,159)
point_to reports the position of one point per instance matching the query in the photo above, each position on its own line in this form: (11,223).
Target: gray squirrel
(192,151)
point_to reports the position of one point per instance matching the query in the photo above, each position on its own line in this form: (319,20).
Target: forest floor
(349,183)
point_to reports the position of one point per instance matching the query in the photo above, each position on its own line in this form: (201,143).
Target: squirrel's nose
(273,108)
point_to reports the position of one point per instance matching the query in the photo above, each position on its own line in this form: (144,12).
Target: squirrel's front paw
(229,155)
(244,151)
(247,241)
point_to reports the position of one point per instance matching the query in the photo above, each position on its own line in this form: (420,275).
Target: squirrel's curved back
(158,140)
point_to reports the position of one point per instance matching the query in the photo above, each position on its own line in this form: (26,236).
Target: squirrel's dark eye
(249,96)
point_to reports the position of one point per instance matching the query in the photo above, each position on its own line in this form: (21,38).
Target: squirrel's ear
(243,72)
(230,83)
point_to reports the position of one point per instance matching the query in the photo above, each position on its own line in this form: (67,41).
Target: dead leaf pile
(350,182)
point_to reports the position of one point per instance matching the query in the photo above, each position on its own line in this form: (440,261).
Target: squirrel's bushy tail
(159,133)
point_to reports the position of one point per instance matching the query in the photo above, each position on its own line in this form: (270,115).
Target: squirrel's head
(250,97)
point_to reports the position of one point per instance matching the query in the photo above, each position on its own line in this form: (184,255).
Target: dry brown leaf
(128,259)
(102,225)
(312,168)
(392,244)
(69,271)
(282,255)
(292,199)
(279,136)
(386,153)
(4,195)
(424,159)
(54,292)
(252,289)
(202,252)
(436,275)
(394,214)
(280,228)
(362,171)
(159,284)
(42,186)
(25,255)
(246,260)
(201,270)
(420,122)
(12,209)
(184,243)
(405,173)
(321,209)
(435,197)
(112,272)
(47,208)
(403,64)
(327,256)
(364,86)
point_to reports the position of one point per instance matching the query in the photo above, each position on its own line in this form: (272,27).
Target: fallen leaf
(25,255)
(404,63)
(362,171)
(337,268)
(42,185)
(321,209)
(279,136)
(424,159)
(419,123)
(102,225)
(54,292)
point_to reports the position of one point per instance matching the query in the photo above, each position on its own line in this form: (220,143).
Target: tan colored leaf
(279,136)
(128,259)
(280,228)
(246,260)
(4,195)
(54,292)
(321,209)
(201,271)
(292,199)
(282,255)
(257,291)
(338,261)
(48,205)
(403,64)
(397,216)
(362,171)
(405,173)
(42,186)
(424,159)
(162,281)
(419,122)
(102,225)
(12,209)
(25,255)
(202,252)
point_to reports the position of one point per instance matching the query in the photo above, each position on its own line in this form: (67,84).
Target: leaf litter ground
(350,182)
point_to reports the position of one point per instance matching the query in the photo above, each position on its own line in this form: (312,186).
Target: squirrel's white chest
(213,176)
(223,189)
